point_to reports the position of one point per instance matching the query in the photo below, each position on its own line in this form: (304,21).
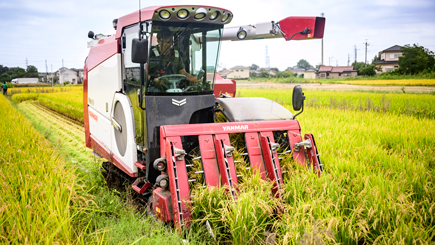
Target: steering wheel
(171,82)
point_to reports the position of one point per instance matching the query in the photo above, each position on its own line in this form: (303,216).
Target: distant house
(238,72)
(298,71)
(74,76)
(389,58)
(224,73)
(310,74)
(337,72)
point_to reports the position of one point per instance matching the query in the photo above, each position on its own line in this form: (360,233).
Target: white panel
(103,81)
(130,156)
(99,127)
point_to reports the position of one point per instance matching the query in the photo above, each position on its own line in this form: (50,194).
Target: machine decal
(95,117)
(238,127)
(179,103)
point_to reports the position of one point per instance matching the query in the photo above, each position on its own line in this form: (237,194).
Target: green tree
(253,67)
(376,58)
(274,69)
(370,70)
(416,59)
(358,65)
(303,64)
(4,78)
(253,74)
(264,73)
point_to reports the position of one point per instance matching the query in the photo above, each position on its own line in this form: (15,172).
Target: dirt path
(336,87)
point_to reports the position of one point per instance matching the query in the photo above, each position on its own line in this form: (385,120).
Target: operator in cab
(165,64)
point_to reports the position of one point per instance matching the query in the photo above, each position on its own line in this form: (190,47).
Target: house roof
(335,68)
(381,62)
(311,70)
(393,48)
(297,69)
(224,73)
(239,67)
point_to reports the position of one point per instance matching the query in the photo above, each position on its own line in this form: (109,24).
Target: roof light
(183,14)
(241,34)
(200,14)
(226,17)
(214,15)
(164,14)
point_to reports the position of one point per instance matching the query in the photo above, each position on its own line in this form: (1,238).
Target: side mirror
(139,50)
(91,34)
(298,98)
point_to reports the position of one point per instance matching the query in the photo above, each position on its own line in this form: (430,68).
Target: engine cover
(253,109)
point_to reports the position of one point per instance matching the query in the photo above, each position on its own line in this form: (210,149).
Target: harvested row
(109,219)
(39,195)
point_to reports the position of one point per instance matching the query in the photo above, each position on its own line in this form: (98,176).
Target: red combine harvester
(151,94)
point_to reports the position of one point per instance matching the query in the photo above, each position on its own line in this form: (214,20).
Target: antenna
(140,24)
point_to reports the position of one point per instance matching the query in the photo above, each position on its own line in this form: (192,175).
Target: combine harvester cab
(151,95)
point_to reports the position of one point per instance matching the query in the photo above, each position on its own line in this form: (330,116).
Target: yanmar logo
(238,127)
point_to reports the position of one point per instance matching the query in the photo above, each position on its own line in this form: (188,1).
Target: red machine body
(104,92)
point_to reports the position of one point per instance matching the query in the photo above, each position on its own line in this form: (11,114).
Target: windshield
(182,58)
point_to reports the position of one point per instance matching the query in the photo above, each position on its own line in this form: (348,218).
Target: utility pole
(355,54)
(348,59)
(46,67)
(336,63)
(267,58)
(330,60)
(26,64)
(62,62)
(367,44)
(322,14)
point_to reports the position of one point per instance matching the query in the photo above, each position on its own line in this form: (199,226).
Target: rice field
(418,105)
(378,186)
(38,90)
(397,82)
(39,196)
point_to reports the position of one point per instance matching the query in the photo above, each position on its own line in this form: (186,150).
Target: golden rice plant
(39,195)
(70,106)
(23,97)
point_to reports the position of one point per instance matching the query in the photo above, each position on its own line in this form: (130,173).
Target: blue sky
(55,30)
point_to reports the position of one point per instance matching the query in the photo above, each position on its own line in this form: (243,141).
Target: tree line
(9,73)
(415,59)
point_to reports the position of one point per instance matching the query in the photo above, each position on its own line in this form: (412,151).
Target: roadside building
(73,76)
(337,72)
(310,74)
(297,71)
(224,73)
(389,59)
(238,72)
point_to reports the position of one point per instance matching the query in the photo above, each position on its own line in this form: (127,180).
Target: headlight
(214,15)
(241,34)
(183,13)
(160,164)
(163,180)
(200,14)
(226,17)
(164,14)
